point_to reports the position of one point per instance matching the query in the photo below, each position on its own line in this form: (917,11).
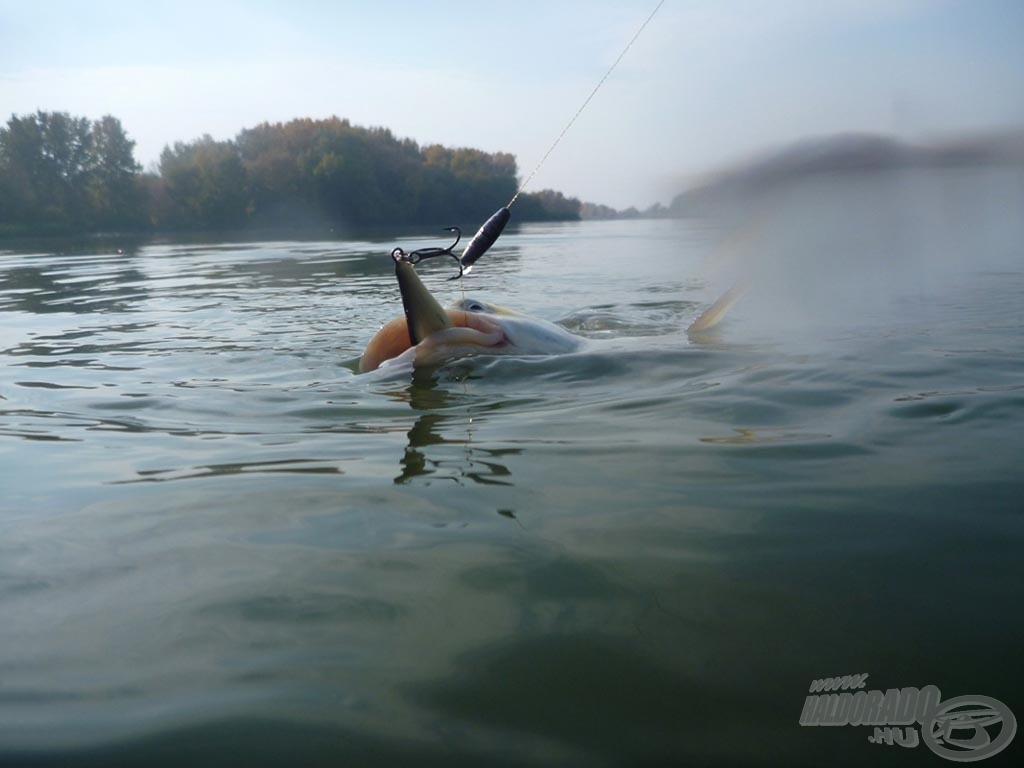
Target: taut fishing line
(584,104)
(492,228)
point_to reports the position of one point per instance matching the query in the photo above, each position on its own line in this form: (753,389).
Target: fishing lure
(484,238)
(492,228)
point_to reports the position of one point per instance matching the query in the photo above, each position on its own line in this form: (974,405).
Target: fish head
(522,334)
(435,333)
(469,327)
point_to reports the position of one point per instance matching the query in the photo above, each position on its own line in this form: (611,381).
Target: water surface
(219,545)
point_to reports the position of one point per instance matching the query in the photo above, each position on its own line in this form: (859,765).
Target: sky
(707,83)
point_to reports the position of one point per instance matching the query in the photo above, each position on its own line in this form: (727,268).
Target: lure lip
(423,314)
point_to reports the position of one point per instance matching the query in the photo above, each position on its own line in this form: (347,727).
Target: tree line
(61,174)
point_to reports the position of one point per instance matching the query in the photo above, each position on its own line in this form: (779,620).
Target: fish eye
(475,306)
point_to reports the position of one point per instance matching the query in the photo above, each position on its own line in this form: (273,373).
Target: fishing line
(492,228)
(584,104)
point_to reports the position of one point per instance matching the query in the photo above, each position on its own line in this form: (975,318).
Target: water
(218,545)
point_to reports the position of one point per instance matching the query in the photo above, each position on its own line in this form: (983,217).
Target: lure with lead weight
(484,238)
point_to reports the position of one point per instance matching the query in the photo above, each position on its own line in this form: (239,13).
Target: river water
(219,545)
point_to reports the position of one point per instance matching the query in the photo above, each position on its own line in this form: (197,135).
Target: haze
(706,83)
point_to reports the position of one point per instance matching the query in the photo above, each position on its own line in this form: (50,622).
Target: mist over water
(219,544)
(850,248)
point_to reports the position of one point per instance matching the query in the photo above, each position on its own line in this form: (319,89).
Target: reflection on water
(454,427)
(474,465)
(36,291)
(311,466)
(218,544)
(755,436)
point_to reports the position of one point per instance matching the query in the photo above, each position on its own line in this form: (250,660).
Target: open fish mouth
(428,331)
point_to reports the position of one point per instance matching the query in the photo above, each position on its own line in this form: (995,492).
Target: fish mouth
(468,334)
(475,330)
(426,318)
(434,332)
(423,314)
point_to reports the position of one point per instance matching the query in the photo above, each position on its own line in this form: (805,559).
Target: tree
(549,205)
(205,183)
(113,176)
(60,173)
(46,162)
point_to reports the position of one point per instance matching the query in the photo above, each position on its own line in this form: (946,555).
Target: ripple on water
(998,404)
(213,532)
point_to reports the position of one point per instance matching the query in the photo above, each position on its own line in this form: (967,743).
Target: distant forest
(61,174)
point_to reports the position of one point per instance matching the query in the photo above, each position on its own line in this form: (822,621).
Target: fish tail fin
(714,314)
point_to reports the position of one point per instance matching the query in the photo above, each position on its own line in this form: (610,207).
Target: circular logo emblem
(968,728)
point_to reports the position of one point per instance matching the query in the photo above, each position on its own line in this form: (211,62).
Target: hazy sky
(709,80)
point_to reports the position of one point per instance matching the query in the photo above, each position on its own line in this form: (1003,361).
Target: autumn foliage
(64,174)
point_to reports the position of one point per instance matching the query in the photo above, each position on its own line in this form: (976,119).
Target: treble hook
(415,257)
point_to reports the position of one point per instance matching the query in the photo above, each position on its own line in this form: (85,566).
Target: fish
(429,334)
